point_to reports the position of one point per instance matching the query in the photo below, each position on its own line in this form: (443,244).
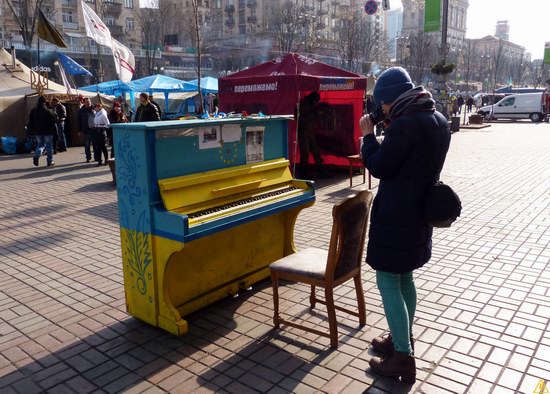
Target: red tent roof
(295,72)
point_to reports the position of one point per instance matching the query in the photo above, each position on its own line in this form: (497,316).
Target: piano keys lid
(188,192)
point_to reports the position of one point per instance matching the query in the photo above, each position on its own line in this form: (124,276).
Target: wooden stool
(357,159)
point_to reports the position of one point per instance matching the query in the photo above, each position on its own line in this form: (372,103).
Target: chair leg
(312,298)
(360,300)
(275,285)
(333,327)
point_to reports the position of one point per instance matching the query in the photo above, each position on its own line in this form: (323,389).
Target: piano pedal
(244,286)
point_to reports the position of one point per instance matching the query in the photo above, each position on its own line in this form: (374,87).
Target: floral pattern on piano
(127,170)
(134,218)
(139,255)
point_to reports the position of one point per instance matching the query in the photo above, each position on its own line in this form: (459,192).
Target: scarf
(414,100)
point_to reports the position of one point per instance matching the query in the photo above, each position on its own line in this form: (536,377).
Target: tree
(25,14)
(498,60)
(198,33)
(422,54)
(286,22)
(468,52)
(152,21)
(354,40)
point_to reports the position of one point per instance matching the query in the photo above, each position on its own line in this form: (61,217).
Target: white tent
(17,97)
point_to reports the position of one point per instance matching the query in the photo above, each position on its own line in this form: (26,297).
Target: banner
(95,28)
(546,59)
(124,61)
(432,15)
(72,67)
(47,31)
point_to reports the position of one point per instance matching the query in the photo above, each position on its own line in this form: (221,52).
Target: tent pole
(296,134)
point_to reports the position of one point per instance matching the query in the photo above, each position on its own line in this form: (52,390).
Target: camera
(377,115)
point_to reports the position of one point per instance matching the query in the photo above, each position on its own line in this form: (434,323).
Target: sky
(528,21)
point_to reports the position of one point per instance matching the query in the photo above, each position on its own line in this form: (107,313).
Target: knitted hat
(391,84)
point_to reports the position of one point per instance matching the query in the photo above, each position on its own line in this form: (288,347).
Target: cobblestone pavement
(484,300)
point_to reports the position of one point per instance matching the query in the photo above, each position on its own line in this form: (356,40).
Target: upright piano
(204,207)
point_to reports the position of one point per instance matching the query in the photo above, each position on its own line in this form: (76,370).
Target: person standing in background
(146,112)
(157,106)
(61,113)
(86,125)
(101,123)
(116,115)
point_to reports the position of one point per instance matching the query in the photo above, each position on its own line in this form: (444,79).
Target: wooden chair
(328,269)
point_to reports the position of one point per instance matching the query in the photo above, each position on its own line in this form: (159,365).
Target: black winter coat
(407,162)
(147,113)
(42,121)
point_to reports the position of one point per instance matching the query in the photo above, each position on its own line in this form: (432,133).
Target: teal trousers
(398,293)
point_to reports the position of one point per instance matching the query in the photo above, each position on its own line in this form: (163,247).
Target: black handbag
(442,206)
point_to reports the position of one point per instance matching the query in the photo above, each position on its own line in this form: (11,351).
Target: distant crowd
(46,125)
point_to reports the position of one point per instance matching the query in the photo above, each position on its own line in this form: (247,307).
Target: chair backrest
(349,228)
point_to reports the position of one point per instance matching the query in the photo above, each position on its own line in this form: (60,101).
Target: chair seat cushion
(310,262)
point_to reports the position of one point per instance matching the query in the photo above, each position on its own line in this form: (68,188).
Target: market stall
(277,87)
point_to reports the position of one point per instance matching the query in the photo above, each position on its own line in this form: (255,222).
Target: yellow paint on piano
(188,190)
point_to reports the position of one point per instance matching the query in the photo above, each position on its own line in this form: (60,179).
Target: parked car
(516,106)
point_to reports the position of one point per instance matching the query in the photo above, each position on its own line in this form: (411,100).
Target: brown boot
(385,344)
(397,364)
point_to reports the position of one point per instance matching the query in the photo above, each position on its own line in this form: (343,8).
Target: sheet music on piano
(192,195)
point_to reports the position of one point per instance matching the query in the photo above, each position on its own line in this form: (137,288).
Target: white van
(516,106)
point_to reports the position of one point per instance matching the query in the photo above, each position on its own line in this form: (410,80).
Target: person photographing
(407,162)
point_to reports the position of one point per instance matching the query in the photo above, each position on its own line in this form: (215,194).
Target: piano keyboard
(247,203)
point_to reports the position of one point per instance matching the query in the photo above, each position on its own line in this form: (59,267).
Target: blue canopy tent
(113,88)
(208,84)
(162,83)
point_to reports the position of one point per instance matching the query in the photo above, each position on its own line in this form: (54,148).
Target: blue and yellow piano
(204,207)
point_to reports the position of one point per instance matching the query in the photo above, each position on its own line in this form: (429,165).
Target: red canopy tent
(276,88)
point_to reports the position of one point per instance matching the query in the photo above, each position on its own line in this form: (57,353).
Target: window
(110,21)
(508,102)
(130,23)
(171,39)
(67,16)
(129,3)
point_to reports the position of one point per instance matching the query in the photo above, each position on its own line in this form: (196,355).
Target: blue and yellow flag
(432,15)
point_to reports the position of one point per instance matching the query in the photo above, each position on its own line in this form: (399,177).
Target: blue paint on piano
(204,207)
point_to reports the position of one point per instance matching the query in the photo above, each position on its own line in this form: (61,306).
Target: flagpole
(38,68)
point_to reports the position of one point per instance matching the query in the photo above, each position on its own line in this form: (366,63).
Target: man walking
(42,123)
(61,113)
(86,117)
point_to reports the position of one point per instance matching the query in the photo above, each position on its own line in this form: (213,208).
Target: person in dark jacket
(61,113)
(407,162)
(86,125)
(146,112)
(42,123)
(157,105)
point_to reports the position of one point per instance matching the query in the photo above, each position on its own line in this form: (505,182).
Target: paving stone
(481,325)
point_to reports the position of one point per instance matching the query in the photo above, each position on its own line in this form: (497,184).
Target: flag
(47,31)
(546,59)
(64,78)
(124,61)
(432,15)
(72,67)
(95,28)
